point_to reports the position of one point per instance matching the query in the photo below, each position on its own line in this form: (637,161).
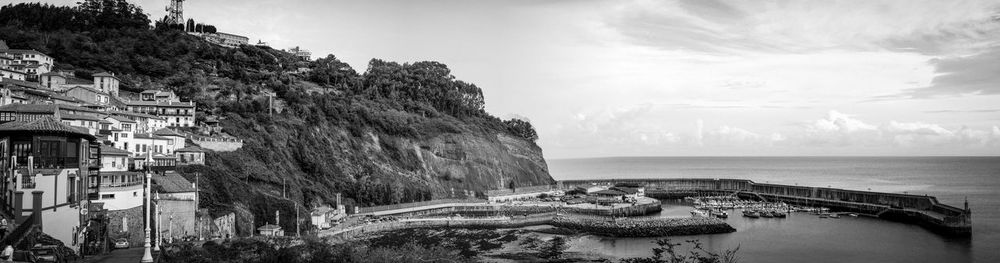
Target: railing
(373,209)
(15,237)
(521,190)
(56,162)
(120,185)
(28,183)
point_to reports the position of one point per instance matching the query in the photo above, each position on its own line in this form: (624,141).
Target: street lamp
(159,233)
(147,256)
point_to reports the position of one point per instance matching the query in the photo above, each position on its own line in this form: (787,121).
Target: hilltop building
(300,53)
(226,39)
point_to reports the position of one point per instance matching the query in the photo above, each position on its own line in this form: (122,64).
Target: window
(108,196)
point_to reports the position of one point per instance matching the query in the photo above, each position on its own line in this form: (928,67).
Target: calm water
(807,238)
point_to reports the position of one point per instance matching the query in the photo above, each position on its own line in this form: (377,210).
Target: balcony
(120,186)
(28,183)
(48,162)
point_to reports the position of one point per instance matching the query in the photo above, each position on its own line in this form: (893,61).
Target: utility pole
(197,198)
(297,233)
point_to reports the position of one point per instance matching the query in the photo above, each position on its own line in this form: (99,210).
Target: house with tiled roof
(93,98)
(191,155)
(31,62)
(120,194)
(8,96)
(51,166)
(179,141)
(165,104)
(106,82)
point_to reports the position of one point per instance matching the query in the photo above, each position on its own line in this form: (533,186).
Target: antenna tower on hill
(175,12)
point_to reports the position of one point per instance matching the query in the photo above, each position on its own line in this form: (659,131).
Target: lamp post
(159,233)
(147,255)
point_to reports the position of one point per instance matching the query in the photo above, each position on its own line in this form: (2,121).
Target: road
(131,255)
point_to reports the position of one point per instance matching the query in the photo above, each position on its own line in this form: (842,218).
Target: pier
(919,209)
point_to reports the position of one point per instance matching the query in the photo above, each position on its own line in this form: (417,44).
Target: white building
(120,132)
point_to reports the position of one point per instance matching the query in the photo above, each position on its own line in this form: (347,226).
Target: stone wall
(218,227)
(128,224)
(219,144)
(178,218)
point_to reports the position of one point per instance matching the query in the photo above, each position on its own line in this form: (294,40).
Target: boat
(720,214)
(750,214)
(699,213)
(853,214)
(824,215)
(765,214)
(834,215)
(779,214)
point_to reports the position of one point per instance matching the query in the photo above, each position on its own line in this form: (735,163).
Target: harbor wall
(478,208)
(920,209)
(621,227)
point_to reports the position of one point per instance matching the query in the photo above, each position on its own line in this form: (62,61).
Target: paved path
(131,255)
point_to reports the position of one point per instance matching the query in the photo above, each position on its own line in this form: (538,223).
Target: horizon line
(771,156)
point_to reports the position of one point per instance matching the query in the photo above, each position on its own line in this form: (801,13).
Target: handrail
(15,237)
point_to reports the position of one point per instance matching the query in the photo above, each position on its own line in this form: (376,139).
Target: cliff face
(311,160)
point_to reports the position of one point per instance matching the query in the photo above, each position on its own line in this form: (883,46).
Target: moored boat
(699,213)
(766,214)
(750,214)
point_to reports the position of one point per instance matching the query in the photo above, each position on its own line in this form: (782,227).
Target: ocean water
(807,238)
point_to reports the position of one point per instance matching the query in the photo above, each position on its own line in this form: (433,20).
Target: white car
(121,243)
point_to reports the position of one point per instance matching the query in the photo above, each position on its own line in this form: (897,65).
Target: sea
(803,237)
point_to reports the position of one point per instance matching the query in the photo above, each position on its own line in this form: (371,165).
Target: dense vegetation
(299,144)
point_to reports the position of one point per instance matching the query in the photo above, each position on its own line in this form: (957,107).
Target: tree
(667,252)
(189,27)
(521,128)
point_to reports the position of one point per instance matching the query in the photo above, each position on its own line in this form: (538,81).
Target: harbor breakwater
(618,227)
(919,209)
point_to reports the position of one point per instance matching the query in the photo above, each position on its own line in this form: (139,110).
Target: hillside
(394,133)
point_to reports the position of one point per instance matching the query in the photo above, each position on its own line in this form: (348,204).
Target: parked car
(121,243)
(24,256)
(48,254)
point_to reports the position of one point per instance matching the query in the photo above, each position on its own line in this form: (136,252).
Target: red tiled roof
(172,182)
(47,124)
(190,149)
(108,150)
(167,132)
(29,108)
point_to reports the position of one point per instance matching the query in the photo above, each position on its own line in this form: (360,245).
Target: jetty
(918,209)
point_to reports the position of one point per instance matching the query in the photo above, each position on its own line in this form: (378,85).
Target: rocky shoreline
(645,228)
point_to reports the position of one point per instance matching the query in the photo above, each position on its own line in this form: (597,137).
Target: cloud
(797,26)
(642,130)
(838,129)
(843,130)
(976,74)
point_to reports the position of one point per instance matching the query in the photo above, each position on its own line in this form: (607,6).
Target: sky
(602,78)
